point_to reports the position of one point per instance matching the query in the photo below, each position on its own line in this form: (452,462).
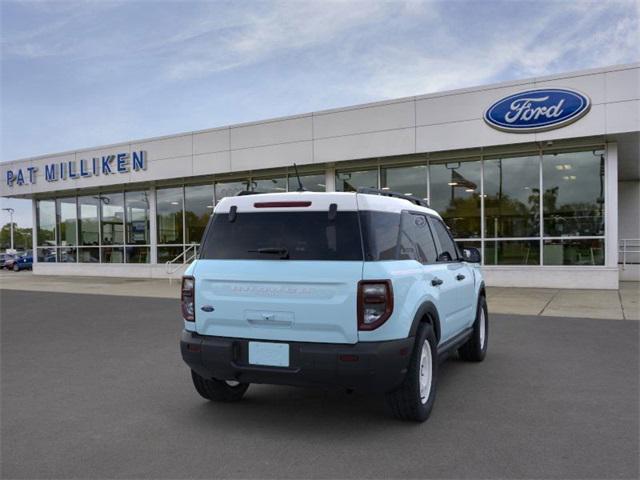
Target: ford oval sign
(537,110)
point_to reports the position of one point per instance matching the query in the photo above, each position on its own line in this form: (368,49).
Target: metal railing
(628,248)
(187,256)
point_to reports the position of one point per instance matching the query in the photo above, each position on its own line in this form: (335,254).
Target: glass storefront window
(574,252)
(351,181)
(512,252)
(198,207)
(112,218)
(311,183)
(229,189)
(270,185)
(137,218)
(67,221)
(89,255)
(47,254)
(169,208)
(512,197)
(408,180)
(88,228)
(67,255)
(46,218)
(137,254)
(166,254)
(573,198)
(112,255)
(115,227)
(455,195)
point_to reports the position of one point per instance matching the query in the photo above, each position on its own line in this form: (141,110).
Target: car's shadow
(317,410)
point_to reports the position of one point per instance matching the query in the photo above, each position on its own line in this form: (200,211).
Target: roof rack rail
(388,193)
(242,193)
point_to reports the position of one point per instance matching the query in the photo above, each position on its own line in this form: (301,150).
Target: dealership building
(541,174)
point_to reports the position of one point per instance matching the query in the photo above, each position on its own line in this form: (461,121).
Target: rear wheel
(414,399)
(219,390)
(475,349)
(16,268)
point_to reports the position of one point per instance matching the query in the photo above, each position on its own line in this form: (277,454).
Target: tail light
(375,303)
(188,299)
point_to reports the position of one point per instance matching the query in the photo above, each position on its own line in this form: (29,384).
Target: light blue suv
(365,290)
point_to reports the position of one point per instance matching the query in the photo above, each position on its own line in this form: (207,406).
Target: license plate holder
(269,354)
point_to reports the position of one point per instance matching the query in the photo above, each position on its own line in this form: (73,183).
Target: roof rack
(242,193)
(388,193)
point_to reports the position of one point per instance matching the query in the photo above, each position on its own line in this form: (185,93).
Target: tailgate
(285,300)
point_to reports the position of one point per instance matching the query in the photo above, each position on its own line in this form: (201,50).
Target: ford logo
(537,110)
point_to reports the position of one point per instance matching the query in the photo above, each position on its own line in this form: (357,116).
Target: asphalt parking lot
(94,387)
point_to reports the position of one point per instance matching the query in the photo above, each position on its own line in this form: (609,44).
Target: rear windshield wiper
(283,252)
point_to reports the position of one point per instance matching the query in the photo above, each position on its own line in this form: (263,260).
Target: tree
(21,237)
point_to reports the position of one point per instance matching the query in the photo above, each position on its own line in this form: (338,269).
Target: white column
(153,234)
(34,231)
(611,205)
(330,178)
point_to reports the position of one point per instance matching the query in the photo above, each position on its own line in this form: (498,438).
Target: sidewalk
(623,304)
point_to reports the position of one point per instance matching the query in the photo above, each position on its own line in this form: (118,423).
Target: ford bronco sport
(364,291)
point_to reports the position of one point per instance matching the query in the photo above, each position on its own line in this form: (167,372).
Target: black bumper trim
(379,367)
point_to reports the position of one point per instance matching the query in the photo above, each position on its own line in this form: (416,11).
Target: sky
(87,73)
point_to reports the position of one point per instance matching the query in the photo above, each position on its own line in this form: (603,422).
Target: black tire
(475,349)
(405,402)
(16,268)
(218,390)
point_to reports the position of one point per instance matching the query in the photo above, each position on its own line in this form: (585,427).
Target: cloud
(526,47)
(287,26)
(52,27)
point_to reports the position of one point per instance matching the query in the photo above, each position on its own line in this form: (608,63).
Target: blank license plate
(272,354)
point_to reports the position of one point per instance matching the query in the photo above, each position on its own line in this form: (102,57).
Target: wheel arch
(482,292)
(427,313)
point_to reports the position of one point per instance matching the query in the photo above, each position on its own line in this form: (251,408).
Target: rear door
(457,288)
(280,273)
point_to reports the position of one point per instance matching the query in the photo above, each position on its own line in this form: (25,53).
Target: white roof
(319,201)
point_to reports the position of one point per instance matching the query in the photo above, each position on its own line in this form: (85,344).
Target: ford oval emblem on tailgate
(207,308)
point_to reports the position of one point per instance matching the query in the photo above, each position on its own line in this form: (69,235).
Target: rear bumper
(365,366)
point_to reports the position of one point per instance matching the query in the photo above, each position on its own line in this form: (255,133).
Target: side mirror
(471,255)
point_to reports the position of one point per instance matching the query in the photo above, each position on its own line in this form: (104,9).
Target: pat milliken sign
(537,110)
(117,163)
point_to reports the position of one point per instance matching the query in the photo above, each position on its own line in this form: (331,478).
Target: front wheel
(475,349)
(16,268)
(218,390)
(415,397)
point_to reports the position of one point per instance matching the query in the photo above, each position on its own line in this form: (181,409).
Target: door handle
(460,277)
(436,281)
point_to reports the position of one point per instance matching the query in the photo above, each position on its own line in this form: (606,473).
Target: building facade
(541,174)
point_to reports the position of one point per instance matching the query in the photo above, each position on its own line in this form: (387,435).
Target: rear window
(279,235)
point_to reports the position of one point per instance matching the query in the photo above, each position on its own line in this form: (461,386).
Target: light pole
(11,212)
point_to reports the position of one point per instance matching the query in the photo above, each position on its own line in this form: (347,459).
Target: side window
(415,241)
(380,232)
(427,243)
(447,250)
